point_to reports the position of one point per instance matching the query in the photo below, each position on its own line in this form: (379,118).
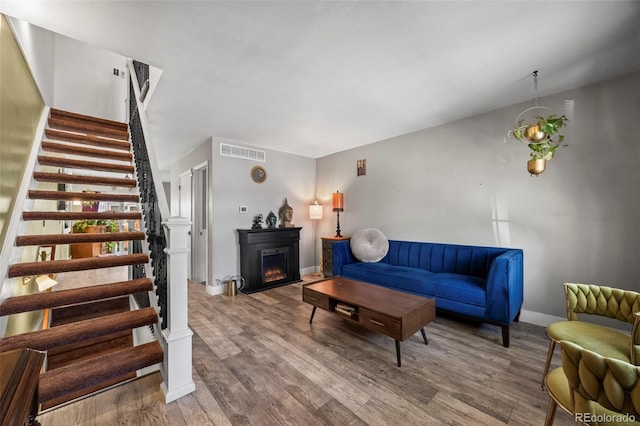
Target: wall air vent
(227,150)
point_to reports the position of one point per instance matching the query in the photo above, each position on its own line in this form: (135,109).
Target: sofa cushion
(369,245)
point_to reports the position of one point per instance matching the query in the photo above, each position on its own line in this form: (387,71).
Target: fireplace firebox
(269,257)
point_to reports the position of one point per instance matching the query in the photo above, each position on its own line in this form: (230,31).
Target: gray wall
(465,182)
(288,175)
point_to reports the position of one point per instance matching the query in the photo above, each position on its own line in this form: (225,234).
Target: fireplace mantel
(254,243)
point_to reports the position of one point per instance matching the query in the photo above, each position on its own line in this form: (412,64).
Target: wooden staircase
(89,343)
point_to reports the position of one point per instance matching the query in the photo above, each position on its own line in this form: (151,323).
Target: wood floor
(258,361)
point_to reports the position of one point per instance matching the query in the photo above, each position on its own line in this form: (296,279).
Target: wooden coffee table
(390,312)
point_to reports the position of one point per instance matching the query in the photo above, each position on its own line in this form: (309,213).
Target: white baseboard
(216,289)
(539,318)
(310,270)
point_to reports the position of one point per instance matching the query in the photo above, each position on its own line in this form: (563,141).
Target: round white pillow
(369,245)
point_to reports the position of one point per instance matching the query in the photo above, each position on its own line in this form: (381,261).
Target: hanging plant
(541,135)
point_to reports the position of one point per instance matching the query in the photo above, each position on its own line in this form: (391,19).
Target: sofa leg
(505,336)
(517,318)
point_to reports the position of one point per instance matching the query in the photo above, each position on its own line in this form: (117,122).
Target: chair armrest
(341,256)
(505,286)
(634,340)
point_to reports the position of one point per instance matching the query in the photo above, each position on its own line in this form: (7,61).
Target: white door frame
(199,242)
(185,209)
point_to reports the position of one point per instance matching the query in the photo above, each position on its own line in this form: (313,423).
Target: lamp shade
(315,211)
(338,201)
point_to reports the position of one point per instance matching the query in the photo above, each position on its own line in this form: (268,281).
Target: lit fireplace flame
(274,274)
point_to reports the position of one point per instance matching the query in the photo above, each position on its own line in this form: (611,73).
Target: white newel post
(177,374)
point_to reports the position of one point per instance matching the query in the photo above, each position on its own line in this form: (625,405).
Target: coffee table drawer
(313,297)
(381,323)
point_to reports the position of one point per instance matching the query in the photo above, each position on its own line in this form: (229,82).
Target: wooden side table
(327,254)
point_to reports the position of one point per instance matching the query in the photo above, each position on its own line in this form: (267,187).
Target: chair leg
(505,336)
(552,345)
(551,412)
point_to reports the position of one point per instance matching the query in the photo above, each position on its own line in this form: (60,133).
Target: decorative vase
(534,134)
(536,167)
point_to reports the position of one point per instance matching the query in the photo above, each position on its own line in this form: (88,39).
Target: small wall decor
(361,167)
(258,174)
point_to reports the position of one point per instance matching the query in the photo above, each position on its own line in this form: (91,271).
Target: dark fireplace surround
(269,257)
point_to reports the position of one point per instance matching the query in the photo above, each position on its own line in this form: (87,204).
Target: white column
(176,368)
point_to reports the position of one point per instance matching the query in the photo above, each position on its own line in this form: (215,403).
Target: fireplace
(269,257)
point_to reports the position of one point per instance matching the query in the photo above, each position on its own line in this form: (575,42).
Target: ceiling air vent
(235,151)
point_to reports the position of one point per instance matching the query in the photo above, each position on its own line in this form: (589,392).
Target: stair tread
(79,331)
(59,215)
(53,299)
(84,164)
(88,128)
(55,266)
(85,151)
(74,115)
(83,374)
(61,135)
(83,196)
(104,237)
(84,179)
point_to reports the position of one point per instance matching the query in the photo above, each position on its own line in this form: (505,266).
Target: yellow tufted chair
(623,305)
(595,390)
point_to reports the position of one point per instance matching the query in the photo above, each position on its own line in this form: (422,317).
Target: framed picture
(258,174)
(361,167)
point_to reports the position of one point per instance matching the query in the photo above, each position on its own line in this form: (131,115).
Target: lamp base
(338,234)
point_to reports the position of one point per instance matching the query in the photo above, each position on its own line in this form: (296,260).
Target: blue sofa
(483,283)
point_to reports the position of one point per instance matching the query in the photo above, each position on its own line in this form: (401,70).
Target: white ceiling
(313,78)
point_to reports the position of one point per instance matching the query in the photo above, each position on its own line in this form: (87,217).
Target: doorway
(194,205)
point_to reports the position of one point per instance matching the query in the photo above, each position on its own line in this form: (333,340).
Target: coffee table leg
(398,353)
(424,336)
(312,314)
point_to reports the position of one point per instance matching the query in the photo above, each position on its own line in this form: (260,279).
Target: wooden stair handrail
(83,164)
(74,332)
(68,379)
(99,237)
(56,266)
(54,299)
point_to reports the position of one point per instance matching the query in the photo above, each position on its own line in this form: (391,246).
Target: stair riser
(63,381)
(57,266)
(87,128)
(66,115)
(79,331)
(86,165)
(82,196)
(83,180)
(54,299)
(87,140)
(86,152)
(80,215)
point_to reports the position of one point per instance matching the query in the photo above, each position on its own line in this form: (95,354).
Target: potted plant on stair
(542,137)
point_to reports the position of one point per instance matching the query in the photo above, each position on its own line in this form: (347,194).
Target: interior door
(186,211)
(200,215)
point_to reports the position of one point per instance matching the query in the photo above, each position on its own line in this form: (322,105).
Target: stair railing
(168,249)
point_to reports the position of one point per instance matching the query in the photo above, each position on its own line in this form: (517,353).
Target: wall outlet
(243,209)
(116,71)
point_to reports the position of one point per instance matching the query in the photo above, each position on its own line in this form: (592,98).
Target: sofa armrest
(505,286)
(341,256)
